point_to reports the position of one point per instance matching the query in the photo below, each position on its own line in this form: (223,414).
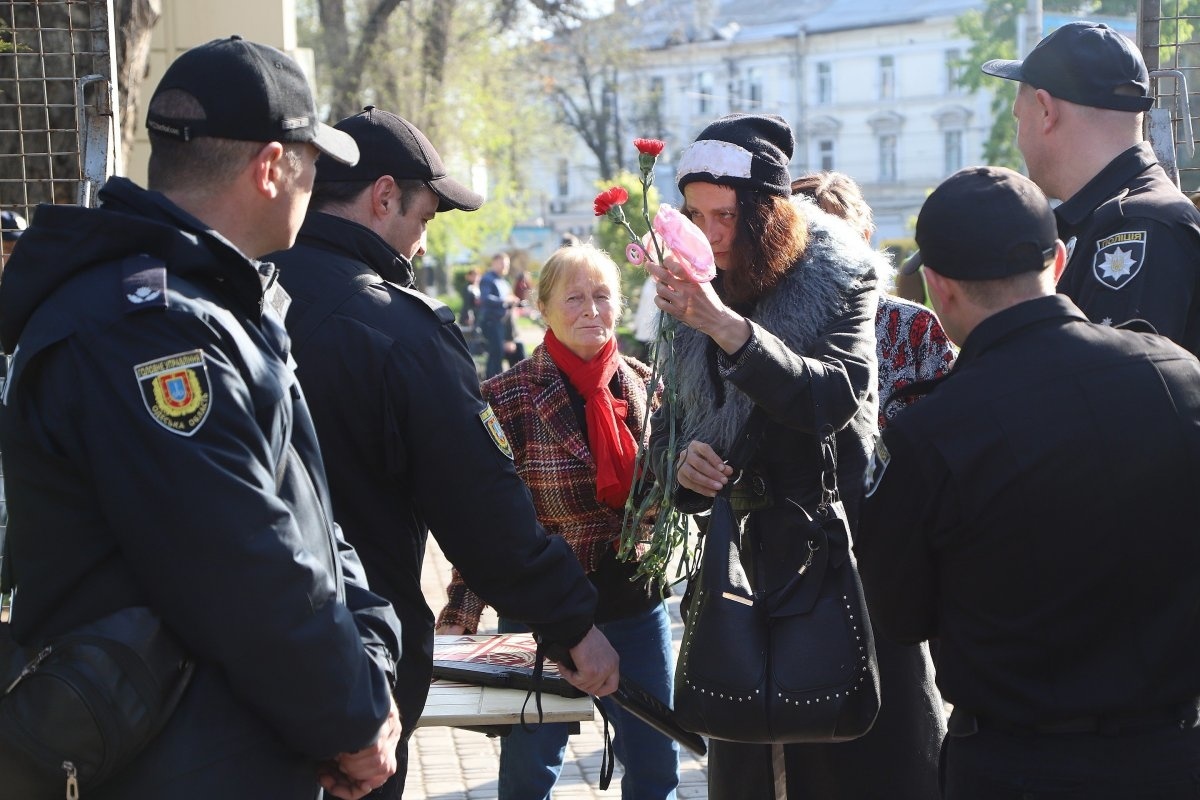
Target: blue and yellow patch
(176,391)
(495,430)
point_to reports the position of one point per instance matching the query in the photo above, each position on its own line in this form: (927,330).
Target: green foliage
(993,34)
(613,238)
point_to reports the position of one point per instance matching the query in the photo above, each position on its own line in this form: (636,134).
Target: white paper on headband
(719,159)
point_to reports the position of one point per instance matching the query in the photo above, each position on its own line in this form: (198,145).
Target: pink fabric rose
(687,242)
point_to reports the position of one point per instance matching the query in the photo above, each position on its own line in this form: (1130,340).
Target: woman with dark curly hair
(787,326)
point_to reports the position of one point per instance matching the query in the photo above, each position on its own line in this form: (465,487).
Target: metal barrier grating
(1170,40)
(46,47)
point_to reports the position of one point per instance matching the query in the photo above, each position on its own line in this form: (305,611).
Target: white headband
(717,158)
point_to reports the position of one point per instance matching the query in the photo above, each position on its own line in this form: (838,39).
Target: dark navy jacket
(395,398)
(159,452)
(1036,513)
(1135,249)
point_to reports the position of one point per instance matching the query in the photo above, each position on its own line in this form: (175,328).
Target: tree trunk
(133,21)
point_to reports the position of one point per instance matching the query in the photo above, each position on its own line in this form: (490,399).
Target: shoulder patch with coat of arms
(176,391)
(1119,257)
(495,430)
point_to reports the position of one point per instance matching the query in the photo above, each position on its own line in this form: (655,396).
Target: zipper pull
(30,668)
(72,781)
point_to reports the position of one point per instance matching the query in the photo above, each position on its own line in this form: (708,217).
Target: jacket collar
(1107,183)
(1015,320)
(348,238)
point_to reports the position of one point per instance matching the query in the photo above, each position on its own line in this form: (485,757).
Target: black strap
(306,323)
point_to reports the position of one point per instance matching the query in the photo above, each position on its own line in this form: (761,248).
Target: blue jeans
(531,761)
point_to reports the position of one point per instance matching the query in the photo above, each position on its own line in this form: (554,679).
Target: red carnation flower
(616,196)
(650,147)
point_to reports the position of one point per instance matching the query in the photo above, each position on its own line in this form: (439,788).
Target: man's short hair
(201,163)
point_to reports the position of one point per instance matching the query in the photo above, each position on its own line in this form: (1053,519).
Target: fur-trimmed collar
(812,293)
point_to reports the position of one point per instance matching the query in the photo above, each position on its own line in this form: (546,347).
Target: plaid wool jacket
(552,457)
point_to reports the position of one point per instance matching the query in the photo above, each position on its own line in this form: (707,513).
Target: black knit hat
(750,151)
(249,92)
(391,145)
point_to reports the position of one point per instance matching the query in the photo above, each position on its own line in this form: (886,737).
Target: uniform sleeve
(471,497)
(376,620)
(197,518)
(1162,291)
(837,373)
(903,500)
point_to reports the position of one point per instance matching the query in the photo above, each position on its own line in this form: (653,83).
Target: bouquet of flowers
(654,483)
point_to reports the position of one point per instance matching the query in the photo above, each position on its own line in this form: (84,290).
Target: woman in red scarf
(573,414)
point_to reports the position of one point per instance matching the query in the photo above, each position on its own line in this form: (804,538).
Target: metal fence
(58,112)
(1169,35)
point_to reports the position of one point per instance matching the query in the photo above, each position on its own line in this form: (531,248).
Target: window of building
(824,83)
(564,177)
(825,154)
(887,78)
(953,142)
(704,88)
(954,71)
(754,88)
(887,158)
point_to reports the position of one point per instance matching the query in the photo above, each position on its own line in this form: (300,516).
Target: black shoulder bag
(794,665)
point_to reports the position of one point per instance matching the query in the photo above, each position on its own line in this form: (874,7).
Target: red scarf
(611,442)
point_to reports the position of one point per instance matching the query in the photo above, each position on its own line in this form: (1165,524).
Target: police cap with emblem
(1087,63)
(249,92)
(392,145)
(983,223)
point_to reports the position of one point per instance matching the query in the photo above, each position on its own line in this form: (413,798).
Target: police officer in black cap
(1133,239)
(1036,513)
(160,452)
(410,444)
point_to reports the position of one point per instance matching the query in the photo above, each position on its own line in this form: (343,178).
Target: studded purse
(794,665)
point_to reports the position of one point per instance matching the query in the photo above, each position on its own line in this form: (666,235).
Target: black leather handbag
(794,665)
(80,708)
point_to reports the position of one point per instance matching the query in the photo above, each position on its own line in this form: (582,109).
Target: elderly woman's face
(714,210)
(582,311)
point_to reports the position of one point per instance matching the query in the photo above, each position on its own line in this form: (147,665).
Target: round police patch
(176,391)
(495,430)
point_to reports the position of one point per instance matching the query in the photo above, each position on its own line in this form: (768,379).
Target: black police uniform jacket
(159,452)
(1036,512)
(412,448)
(812,343)
(1134,242)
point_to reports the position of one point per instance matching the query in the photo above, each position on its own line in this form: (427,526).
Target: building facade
(868,87)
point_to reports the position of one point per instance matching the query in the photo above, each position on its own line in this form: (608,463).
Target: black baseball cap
(983,223)
(249,92)
(12,225)
(1087,63)
(391,145)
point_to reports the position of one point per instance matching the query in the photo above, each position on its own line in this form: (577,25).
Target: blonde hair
(573,257)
